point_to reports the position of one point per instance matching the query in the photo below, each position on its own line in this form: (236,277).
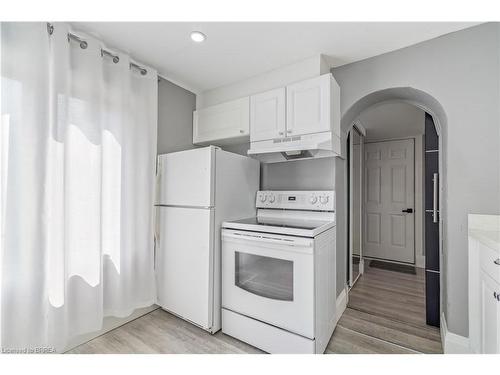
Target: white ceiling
(392,120)
(236,51)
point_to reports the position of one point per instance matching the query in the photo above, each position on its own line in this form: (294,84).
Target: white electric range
(278,273)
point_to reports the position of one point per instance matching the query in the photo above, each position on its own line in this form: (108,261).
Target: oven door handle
(262,238)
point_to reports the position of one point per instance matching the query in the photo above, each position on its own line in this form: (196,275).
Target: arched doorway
(436,114)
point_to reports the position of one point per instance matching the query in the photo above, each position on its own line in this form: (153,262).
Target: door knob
(408,210)
(497,261)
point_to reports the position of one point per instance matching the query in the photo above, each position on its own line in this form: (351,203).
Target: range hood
(308,146)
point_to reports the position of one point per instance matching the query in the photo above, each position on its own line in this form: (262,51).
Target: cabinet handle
(288,131)
(496,296)
(280,133)
(497,262)
(242,131)
(434,198)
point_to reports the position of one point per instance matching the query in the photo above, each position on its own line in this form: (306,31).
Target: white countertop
(485,229)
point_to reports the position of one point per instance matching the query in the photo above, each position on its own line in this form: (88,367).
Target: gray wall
(391,120)
(314,174)
(175,117)
(238,149)
(461,71)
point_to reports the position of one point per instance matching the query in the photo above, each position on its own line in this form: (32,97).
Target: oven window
(264,276)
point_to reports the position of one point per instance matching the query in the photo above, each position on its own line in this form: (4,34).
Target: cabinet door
(308,106)
(267,115)
(490,315)
(222,122)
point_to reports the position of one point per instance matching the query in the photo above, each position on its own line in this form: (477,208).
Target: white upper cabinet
(312,106)
(223,123)
(303,114)
(267,115)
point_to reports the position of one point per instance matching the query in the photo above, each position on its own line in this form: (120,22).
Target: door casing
(361,133)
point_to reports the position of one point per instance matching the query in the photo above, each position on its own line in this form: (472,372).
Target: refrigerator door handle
(154,252)
(434,198)
(156,237)
(185,206)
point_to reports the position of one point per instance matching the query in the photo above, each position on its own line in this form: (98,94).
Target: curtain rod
(109,54)
(83,45)
(142,70)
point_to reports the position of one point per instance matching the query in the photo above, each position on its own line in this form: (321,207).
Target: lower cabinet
(490,315)
(484,298)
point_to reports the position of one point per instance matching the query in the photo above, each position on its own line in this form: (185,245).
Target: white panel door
(186,178)
(267,115)
(228,120)
(389,191)
(308,106)
(183,263)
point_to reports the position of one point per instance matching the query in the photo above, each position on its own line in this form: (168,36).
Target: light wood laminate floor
(385,314)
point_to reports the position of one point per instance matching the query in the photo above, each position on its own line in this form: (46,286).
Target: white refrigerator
(197,190)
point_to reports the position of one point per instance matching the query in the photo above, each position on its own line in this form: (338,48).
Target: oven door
(269,277)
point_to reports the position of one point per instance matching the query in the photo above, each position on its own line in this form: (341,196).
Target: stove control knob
(263,198)
(323,200)
(271,199)
(313,199)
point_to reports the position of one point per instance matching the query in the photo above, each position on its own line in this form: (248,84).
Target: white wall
(461,71)
(392,120)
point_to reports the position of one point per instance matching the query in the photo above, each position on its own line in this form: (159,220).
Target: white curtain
(78,149)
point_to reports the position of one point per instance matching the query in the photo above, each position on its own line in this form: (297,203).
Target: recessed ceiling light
(198,36)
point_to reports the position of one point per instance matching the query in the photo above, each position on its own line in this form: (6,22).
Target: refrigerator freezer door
(186,178)
(184,263)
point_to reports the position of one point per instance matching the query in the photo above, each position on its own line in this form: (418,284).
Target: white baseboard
(453,343)
(420,261)
(109,324)
(361,266)
(341,304)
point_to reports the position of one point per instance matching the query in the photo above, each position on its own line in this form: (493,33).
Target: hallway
(386,314)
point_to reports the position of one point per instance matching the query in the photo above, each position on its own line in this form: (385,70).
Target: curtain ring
(83,43)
